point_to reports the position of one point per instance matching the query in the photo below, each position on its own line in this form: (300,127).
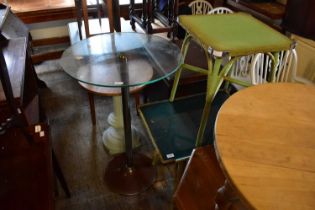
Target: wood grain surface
(265,142)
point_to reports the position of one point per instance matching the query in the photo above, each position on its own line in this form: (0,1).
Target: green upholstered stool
(226,36)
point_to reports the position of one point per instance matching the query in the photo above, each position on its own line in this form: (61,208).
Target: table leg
(149,16)
(214,81)
(131,15)
(110,13)
(129,173)
(213,84)
(226,199)
(113,136)
(116,14)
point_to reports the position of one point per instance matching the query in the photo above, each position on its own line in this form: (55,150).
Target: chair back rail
(200,7)
(220,10)
(285,70)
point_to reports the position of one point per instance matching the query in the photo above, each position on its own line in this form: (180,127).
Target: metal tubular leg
(212,87)
(274,66)
(127,125)
(128,174)
(131,14)
(184,50)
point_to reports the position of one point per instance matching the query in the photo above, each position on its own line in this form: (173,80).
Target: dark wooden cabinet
(26,172)
(270,12)
(26,161)
(19,89)
(299,18)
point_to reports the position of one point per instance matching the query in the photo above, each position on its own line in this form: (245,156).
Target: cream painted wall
(306,57)
(44,30)
(50,32)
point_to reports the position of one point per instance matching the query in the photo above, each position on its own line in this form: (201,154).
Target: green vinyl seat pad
(237,33)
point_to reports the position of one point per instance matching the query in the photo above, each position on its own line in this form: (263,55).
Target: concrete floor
(79,149)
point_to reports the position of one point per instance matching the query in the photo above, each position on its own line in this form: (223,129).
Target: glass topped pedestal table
(123,60)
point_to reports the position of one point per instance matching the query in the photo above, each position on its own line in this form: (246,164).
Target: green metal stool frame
(233,35)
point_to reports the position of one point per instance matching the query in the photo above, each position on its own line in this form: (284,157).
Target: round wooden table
(265,143)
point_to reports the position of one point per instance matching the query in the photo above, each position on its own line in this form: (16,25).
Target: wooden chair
(220,10)
(200,7)
(83,10)
(285,71)
(201,179)
(257,69)
(241,72)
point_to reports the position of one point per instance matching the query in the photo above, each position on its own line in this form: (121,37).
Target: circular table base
(130,180)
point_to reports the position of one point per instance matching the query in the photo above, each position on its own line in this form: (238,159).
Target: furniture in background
(200,7)
(199,183)
(299,20)
(18,77)
(240,71)
(94,27)
(113,60)
(270,12)
(102,7)
(150,12)
(258,69)
(113,137)
(285,71)
(82,12)
(305,48)
(26,169)
(220,10)
(267,155)
(27,158)
(173,137)
(178,125)
(225,43)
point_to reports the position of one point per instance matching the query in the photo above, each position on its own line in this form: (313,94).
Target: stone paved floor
(79,149)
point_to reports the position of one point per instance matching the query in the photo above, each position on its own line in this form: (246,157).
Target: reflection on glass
(95,60)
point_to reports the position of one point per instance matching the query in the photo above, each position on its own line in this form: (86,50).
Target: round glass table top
(121,59)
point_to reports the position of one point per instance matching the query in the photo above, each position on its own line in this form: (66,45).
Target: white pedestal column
(113,136)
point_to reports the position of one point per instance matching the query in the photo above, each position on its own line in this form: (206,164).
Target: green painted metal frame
(216,76)
(146,122)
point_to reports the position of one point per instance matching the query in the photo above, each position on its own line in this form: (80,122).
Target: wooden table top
(265,143)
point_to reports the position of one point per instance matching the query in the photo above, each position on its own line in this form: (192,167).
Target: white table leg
(113,136)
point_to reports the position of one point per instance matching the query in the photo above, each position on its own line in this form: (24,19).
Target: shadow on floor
(79,149)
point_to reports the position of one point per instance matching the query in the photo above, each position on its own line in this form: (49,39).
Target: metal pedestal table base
(132,180)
